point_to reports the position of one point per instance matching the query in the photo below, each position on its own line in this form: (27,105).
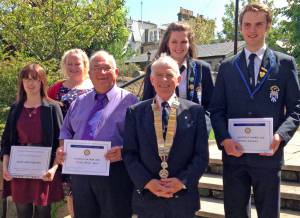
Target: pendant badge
(164,173)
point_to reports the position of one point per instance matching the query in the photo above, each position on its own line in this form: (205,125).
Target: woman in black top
(196,83)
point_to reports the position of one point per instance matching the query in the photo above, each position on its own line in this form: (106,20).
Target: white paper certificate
(254,134)
(86,157)
(29,161)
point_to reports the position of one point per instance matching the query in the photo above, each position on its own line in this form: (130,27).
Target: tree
(291,28)
(204,29)
(44,29)
(228,19)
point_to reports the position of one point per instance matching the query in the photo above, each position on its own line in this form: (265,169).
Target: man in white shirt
(256,83)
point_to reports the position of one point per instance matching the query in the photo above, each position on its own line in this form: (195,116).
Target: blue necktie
(251,67)
(100,104)
(165,117)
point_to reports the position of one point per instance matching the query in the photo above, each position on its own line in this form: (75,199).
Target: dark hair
(177,27)
(257,7)
(36,72)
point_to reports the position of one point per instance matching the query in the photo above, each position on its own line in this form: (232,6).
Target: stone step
(291,153)
(212,186)
(213,208)
(290,170)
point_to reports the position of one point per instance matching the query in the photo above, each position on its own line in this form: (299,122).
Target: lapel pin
(262,74)
(264,69)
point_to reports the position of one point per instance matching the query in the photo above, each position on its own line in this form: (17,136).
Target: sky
(165,11)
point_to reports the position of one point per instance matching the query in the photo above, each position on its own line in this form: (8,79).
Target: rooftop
(223,49)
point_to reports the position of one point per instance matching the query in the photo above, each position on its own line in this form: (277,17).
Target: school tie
(251,67)
(181,69)
(101,101)
(165,117)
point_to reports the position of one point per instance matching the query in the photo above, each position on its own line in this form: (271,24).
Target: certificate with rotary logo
(254,134)
(29,161)
(85,157)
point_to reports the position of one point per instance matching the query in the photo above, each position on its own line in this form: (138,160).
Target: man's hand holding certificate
(253,134)
(86,157)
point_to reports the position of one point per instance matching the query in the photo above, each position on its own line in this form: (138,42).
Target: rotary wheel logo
(247,130)
(87,152)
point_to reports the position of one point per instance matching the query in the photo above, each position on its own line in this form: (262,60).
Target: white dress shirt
(257,60)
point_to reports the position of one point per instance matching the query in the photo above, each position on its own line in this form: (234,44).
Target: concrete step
(212,186)
(290,170)
(213,208)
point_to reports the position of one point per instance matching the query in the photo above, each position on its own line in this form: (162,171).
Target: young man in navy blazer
(256,83)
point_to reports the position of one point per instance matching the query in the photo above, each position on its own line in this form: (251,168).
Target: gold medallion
(163,173)
(164,145)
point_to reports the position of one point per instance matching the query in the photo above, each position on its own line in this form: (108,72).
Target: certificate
(29,161)
(254,134)
(86,157)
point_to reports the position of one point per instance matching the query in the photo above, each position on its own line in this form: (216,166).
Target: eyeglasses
(106,69)
(164,75)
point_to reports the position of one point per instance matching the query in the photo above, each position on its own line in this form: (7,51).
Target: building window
(151,36)
(146,35)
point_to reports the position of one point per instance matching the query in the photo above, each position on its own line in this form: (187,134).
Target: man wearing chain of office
(165,148)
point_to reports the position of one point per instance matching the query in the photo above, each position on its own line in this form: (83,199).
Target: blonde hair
(166,61)
(257,7)
(83,57)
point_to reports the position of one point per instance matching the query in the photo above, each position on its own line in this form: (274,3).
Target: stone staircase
(211,187)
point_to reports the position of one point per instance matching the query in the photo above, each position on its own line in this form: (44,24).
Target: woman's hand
(6,174)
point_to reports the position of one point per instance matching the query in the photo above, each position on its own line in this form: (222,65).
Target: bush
(9,70)
(128,70)
(3,116)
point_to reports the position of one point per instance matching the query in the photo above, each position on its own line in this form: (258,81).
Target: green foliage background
(284,35)
(42,30)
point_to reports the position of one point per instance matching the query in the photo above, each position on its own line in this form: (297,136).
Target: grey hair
(167,61)
(103,53)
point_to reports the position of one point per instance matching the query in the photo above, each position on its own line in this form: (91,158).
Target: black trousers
(182,205)
(167,210)
(29,211)
(103,196)
(237,182)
